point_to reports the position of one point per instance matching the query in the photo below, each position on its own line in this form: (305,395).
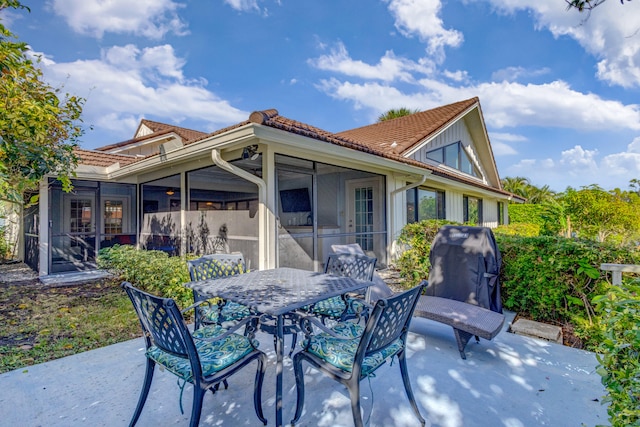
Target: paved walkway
(512,381)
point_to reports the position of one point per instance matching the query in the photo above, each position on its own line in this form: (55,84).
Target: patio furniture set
(347,335)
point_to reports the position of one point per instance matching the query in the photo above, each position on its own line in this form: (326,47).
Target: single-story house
(277,190)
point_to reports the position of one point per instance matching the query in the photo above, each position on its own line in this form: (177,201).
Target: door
(365,214)
(73,232)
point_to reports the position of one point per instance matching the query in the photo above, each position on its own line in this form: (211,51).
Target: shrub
(152,271)
(553,279)
(519,229)
(5,249)
(413,263)
(619,353)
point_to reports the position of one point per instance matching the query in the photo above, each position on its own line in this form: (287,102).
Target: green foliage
(39,128)
(152,271)
(394,113)
(619,353)
(416,237)
(548,217)
(519,229)
(5,249)
(603,215)
(553,279)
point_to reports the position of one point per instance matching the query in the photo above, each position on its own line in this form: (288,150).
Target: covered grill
(465,266)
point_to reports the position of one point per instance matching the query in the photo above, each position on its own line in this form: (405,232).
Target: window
(472,210)
(113,210)
(500,213)
(454,156)
(425,203)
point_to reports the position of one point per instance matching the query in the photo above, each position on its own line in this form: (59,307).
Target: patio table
(278,292)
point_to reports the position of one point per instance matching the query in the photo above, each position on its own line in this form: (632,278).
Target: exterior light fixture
(170,192)
(250,152)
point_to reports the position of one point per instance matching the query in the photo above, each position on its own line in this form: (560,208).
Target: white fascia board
(198,149)
(93,172)
(160,138)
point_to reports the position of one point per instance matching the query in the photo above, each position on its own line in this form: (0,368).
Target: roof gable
(403,133)
(149,130)
(98,158)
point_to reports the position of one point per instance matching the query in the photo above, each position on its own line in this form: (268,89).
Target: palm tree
(518,185)
(395,113)
(539,195)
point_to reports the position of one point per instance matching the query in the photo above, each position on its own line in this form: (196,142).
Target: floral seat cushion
(214,355)
(341,352)
(335,307)
(230,311)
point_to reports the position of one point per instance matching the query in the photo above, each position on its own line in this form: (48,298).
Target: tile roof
(363,139)
(375,139)
(407,131)
(158,129)
(186,134)
(97,158)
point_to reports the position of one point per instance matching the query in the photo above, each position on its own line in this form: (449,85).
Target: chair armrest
(250,323)
(308,322)
(194,305)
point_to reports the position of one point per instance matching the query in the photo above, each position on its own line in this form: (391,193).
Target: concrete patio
(512,381)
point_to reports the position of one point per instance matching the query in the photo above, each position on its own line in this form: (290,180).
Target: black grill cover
(465,265)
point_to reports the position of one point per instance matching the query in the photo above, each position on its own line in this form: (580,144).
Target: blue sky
(560,93)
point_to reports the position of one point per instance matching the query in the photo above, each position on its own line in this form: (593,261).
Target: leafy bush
(519,229)
(619,353)
(152,271)
(417,237)
(5,249)
(553,279)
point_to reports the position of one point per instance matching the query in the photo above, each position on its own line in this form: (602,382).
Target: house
(277,190)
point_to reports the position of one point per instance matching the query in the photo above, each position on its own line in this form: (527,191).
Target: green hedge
(416,238)
(152,271)
(553,279)
(619,353)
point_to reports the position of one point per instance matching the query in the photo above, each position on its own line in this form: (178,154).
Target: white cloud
(456,76)
(626,163)
(578,167)
(504,104)
(634,146)
(243,5)
(610,33)
(577,158)
(421,17)
(148,18)
(501,143)
(512,74)
(128,81)
(388,69)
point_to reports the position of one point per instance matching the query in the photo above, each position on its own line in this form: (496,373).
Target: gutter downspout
(393,209)
(263,232)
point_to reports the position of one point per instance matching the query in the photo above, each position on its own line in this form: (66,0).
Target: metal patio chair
(205,358)
(342,307)
(348,353)
(215,266)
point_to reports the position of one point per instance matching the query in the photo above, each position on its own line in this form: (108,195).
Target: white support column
(43,236)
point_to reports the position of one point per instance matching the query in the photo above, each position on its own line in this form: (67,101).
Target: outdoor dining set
(346,331)
(344,336)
